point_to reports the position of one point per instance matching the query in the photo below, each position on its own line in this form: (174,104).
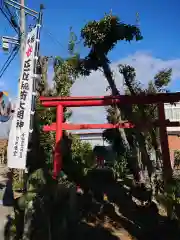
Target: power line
(50,34)
(8,11)
(9,60)
(9,20)
(4,65)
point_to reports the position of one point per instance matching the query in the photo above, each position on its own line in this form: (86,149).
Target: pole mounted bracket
(18,6)
(6,40)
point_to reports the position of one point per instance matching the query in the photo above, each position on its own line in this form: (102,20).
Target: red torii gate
(62,102)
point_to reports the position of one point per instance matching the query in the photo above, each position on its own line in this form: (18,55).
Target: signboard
(20,127)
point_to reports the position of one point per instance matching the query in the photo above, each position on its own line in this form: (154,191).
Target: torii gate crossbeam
(61,102)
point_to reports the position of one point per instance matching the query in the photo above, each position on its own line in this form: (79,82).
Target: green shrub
(172,198)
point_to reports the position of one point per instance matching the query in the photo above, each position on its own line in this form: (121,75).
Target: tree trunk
(43,83)
(115,92)
(140,135)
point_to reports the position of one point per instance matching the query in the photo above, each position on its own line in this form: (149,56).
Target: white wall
(173,114)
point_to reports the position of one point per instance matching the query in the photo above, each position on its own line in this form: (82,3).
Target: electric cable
(55,40)
(9,60)
(4,65)
(49,33)
(10,22)
(15,26)
(7,65)
(7,10)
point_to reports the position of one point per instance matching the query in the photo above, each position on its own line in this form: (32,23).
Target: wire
(52,37)
(4,65)
(8,11)
(12,16)
(15,50)
(9,60)
(5,15)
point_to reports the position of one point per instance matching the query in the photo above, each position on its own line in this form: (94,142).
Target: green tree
(36,206)
(176,159)
(101,37)
(64,77)
(142,140)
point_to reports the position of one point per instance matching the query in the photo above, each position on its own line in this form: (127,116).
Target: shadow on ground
(93,233)
(141,222)
(101,219)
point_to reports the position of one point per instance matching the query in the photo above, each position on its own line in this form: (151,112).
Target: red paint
(61,102)
(82,103)
(59,133)
(29,51)
(108,100)
(70,126)
(100,161)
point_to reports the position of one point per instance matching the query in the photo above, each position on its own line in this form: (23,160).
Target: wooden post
(167,169)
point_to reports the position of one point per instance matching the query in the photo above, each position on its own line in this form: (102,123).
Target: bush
(172,196)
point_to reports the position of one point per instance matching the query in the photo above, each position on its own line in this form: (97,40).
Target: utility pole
(20,6)
(22,29)
(21,41)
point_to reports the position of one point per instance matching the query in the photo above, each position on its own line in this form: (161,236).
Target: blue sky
(159,23)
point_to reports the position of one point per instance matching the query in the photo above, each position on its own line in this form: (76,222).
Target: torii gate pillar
(59,134)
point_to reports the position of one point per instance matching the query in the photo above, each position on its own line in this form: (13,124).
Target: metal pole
(22,48)
(22,30)
(36,73)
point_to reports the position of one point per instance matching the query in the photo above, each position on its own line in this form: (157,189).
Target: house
(172,113)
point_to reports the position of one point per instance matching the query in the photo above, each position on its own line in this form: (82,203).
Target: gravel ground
(4,211)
